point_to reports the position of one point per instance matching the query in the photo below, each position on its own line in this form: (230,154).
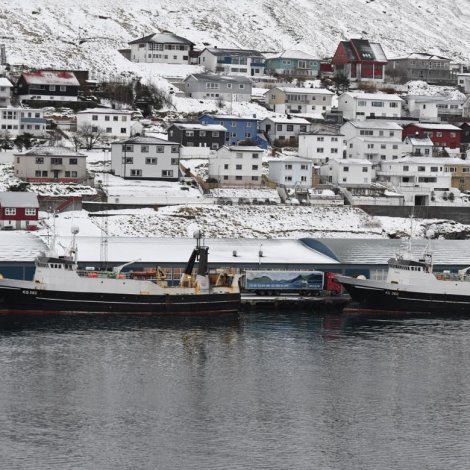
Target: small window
(73,161)
(136,172)
(94,117)
(39,160)
(151,161)
(144,149)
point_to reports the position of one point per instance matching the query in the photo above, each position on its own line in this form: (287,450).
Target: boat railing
(452,277)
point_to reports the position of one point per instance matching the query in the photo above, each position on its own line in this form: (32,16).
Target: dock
(252,302)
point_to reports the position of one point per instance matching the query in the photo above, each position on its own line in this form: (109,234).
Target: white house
(369,105)
(145,158)
(16,121)
(237,166)
(114,123)
(374,139)
(284,129)
(291,171)
(419,179)
(164,47)
(5,92)
(434,107)
(321,144)
(210,86)
(349,172)
(463,82)
(420,146)
(299,100)
(246,62)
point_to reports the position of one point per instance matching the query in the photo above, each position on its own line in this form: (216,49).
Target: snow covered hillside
(46,32)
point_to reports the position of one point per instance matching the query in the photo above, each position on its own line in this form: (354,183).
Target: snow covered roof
(378,52)
(212,77)
(375,124)
(351,161)
(4,82)
(289,158)
(290,54)
(218,51)
(18,199)
(431,161)
(422,56)
(417,141)
(372,96)
(51,77)
(138,140)
(243,148)
(19,245)
(105,111)
(363,50)
(436,126)
(199,127)
(305,91)
(285,120)
(53,151)
(166,37)
(334,130)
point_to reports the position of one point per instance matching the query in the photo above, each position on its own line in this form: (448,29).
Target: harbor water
(263,391)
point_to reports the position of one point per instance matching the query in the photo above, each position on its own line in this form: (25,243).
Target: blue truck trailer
(267,282)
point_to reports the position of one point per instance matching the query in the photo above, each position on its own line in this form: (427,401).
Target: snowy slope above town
(47,33)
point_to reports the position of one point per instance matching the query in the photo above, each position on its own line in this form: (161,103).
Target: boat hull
(370,294)
(23,301)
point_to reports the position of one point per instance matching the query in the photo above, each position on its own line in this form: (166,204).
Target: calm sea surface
(266,391)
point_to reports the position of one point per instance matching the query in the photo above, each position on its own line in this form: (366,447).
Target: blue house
(240,128)
(292,63)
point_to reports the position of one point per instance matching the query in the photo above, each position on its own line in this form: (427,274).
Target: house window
(37,173)
(73,161)
(63,88)
(215,134)
(303,178)
(320,139)
(438,134)
(39,160)
(365,169)
(123,130)
(238,167)
(361,103)
(94,117)
(51,87)
(160,149)
(136,172)
(393,105)
(215,146)
(287,178)
(229,85)
(127,148)
(107,118)
(116,118)
(254,155)
(167,173)
(320,150)
(290,128)
(254,178)
(174,149)
(254,167)
(377,104)
(226,166)
(406,168)
(174,161)
(239,155)
(127,160)
(421,168)
(247,135)
(30,211)
(279,127)
(67,174)
(241,86)
(109,130)
(94,129)
(202,133)
(346,168)
(144,149)
(288,167)
(434,168)
(10,211)
(56,161)
(303,167)
(44,173)
(151,161)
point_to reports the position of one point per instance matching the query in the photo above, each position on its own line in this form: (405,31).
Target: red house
(360,59)
(18,211)
(442,135)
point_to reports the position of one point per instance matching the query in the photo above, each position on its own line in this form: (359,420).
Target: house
(209,86)
(17,121)
(420,146)
(233,61)
(18,210)
(50,164)
(369,105)
(419,179)
(299,100)
(374,139)
(292,63)
(164,47)
(112,123)
(237,166)
(291,171)
(283,129)
(442,135)
(359,59)
(321,144)
(465,134)
(145,158)
(48,85)
(463,82)
(466,109)
(434,107)
(240,128)
(430,68)
(347,173)
(212,136)
(5,92)
(460,173)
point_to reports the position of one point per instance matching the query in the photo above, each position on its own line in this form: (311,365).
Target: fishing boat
(59,286)
(412,285)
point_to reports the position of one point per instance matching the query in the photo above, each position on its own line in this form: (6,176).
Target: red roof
(51,77)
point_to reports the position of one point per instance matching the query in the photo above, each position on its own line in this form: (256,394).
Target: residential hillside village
(357,130)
